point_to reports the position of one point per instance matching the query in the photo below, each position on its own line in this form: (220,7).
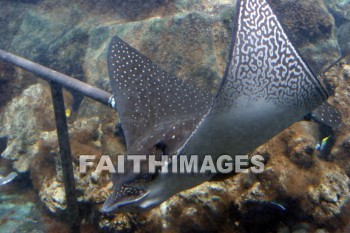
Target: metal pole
(62,79)
(66,157)
(330,66)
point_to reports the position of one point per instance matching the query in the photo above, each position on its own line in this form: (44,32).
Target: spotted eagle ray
(267,86)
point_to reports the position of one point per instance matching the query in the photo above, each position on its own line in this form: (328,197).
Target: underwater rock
(22,120)
(17,215)
(53,40)
(40,27)
(208,206)
(31,147)
(181,39)
(337,78)
(301,143)
(301,228)
(343,38)
(202,5)
(346,72)
(311,28)
(85,135)
(340,10)
(8,84)
(327,199)
(11,18)
(53,196)
(306,21)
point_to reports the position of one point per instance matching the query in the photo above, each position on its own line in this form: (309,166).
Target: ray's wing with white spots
(150,102)
(326,114)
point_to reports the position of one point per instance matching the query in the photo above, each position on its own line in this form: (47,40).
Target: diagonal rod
(59,78)
(66,157)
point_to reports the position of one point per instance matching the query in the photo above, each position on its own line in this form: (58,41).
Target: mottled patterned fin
(326,114)
(267,87)
(148,99)
(264,65)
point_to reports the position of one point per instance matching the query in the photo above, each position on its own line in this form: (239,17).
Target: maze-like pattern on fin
(265,65)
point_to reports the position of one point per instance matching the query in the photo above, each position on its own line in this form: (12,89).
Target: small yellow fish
(68,112)
(324,141)
(322,145)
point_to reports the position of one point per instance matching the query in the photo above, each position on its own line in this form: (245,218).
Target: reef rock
(340,10)
(344,41)
(311,27)
(329,198)
(46,170)
(18,215)
(22,120)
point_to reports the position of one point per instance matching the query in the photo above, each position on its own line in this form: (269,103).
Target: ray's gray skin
(266,87)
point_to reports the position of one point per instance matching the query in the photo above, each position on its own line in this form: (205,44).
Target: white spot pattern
(328,115)
(149,101)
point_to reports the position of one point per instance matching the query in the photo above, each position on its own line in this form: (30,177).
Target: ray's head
(127,195)
(132,191)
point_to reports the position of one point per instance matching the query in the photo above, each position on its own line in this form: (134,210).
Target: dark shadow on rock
(261,216)
(3,143)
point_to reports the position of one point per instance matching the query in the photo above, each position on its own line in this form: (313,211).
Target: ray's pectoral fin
(267,85)
(327,115)
(148,99)
(282,79)
(157,112)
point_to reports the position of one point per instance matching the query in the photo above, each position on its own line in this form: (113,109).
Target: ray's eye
(161,146)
